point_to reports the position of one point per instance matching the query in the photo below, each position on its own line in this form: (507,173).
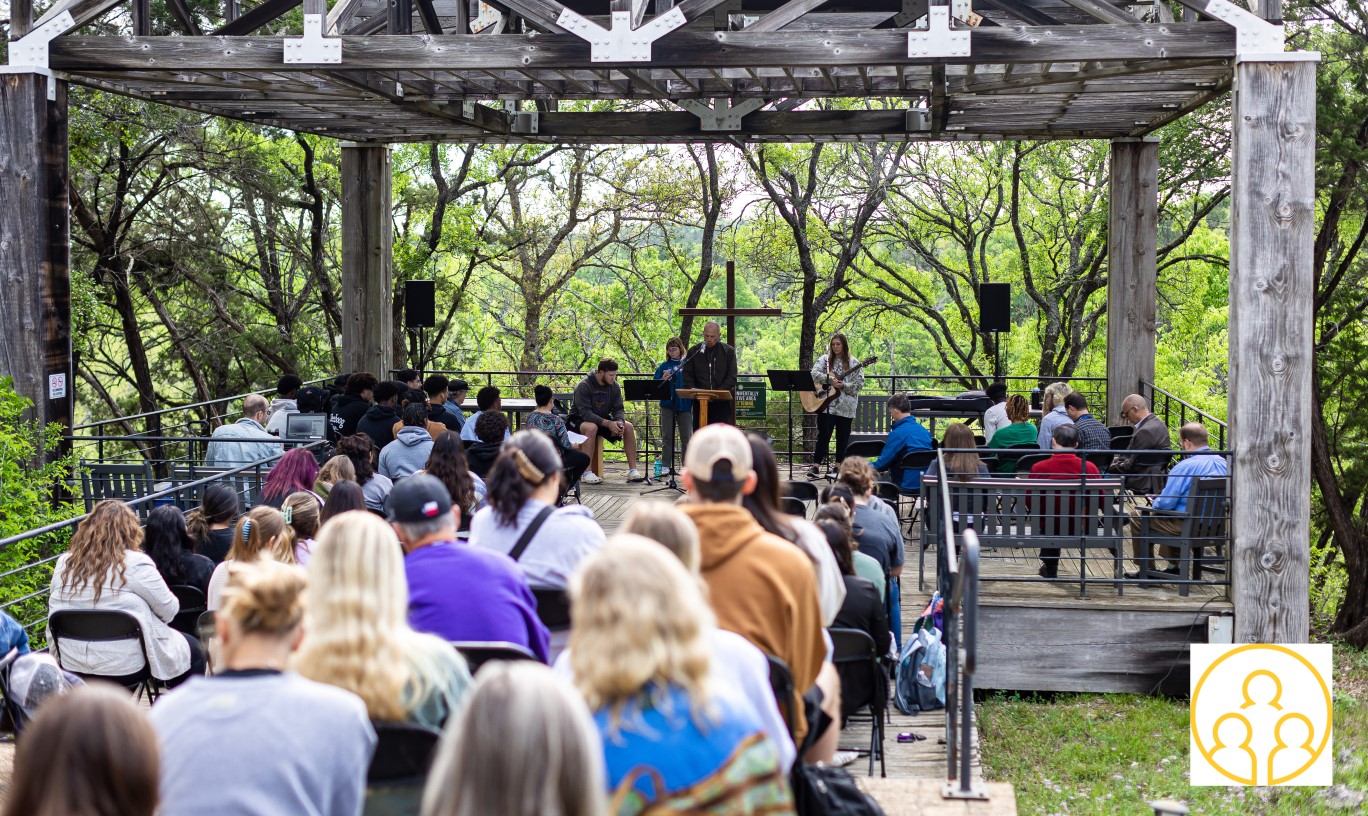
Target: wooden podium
(703,395)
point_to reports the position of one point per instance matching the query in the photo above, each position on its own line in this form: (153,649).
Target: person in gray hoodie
(408,453)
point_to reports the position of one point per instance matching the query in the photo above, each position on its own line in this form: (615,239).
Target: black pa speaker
(420,304)
(995,307)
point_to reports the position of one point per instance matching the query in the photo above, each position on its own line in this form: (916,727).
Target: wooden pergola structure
(374,72)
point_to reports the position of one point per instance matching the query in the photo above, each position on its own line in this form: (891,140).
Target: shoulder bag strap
(526,538)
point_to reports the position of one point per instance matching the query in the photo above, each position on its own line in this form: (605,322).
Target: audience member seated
(905,434)
(303,511)
(12,635)
(211,525)
(344,498)
(760,585)
(408,453)
(596,410)
(961,455)
(640,656)
(995,418)
(458,591)
(1143,474)
(435,427)
(491,429)
(447,462)
(359,638)
(167,542)
(375,486)
(522,519)
(879,537)
(337,469)
(1198,462)
(1020,432)
(734,663)
(254,739)
(349,407)
(1052,413)
(409,378)
(863,610)
(860,476)
(284,404)
(103,569)
(1064,464)
(435,386)
(543,419)
(866,567)
(486,399)
(764,506)
(524,745)
(380,418)
(90,752)
(297,470)
(261,535)
(1092,435)
(456,395)
(245,441)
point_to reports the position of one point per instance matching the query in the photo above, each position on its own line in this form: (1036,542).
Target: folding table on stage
(790,380)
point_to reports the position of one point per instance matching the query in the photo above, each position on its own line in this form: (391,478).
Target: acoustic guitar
(816,401)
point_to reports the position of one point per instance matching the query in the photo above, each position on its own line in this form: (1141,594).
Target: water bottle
(659,468)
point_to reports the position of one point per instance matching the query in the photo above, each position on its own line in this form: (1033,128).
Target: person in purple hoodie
(458,591)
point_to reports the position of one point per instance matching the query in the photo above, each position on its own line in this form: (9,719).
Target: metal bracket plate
(32,48)
(621,43)
(938,40)
(977,791)
(488,16)
(313,47)
(1253,34)
(722,114)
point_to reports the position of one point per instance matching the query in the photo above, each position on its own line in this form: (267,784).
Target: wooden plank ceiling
(840,70)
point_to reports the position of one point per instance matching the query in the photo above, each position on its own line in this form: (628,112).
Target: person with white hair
(1053,413)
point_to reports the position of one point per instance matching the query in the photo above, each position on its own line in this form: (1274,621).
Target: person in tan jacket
(761,586)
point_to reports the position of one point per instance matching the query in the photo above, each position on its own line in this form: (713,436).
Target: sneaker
(833,472)
(814,472)
(633,475)
(590,477)
(840,759)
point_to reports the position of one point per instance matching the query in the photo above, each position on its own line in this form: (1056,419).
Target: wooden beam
(1104,11)
(784,15)
(682,49)
(256,17)
(21,18)
(400,16)
(1272,221)
(541,13)
(428,13)
(1023,12)
(185,18)
(367,259)
(1132,290)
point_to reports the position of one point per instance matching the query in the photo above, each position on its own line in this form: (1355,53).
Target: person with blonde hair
(519,717)
(640,655)
(256,738)
(1052,413)
(105,569)
(303,511)
(261,534)
(337,469)
(359,638)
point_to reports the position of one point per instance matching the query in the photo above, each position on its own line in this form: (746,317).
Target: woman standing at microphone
(675,411)
(833,368)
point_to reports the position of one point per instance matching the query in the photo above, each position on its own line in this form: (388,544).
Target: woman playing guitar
(834,369)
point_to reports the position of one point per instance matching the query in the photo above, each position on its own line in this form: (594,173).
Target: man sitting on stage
(596,409)
(905,434)
(713,366)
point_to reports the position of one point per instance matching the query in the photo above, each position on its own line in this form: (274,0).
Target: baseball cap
(715,443)
(418,498)
(309,399)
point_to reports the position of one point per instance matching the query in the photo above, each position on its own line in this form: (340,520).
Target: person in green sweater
(1019,432)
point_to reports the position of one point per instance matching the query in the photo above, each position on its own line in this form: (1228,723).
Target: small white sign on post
(57,386)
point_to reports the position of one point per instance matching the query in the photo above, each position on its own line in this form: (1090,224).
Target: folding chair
(856,658)
(399,768)
(794,507)
(478,653)
(1008,458)
(1025,463)
(865,448)
(913,460)
(192,605)
(553,607)
(1204,525)
(103,626)
(802,491)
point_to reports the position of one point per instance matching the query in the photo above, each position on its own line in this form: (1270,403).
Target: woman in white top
(104,570)
(524,484)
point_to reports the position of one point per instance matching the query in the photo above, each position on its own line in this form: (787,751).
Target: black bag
(826,790)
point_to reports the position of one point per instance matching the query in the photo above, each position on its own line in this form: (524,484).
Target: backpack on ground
(919,682)
(826,790)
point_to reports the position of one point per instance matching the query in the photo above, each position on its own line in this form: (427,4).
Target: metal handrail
(190,406)
(1184,409)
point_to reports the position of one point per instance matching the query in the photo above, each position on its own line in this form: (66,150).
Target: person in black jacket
(490,429)
(378,423)
(863,610)
(348,408)
(171,548)
(712,364)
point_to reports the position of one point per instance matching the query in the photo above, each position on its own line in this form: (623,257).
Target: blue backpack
(919,683)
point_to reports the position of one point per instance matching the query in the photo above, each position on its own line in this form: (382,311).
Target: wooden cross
(731,312)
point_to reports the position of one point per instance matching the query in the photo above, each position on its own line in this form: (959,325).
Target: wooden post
(731,303)
(35,287)
(367,255)
(1132,224)
(1272,220)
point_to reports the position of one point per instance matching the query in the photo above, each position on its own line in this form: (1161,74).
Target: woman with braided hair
(522,519)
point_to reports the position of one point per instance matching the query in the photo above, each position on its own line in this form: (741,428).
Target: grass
(1114,753)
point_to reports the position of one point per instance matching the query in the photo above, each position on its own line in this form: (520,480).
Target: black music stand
(790,380)
(649,391)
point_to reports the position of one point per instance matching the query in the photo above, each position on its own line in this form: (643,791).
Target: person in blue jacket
(675,412)
(904,434)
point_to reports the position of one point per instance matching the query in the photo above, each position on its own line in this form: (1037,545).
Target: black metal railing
(1176,413)
(959,579)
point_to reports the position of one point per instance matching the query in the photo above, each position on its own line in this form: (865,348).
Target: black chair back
(1120,430)
(888,492)
(794,507)
(192,605)
(781,683)
(1122,441)
(866,448)
(102,626)
(802,491)
(478,653)
(1025,463)
(855,653)
(914,460)
(553,607)
(403,753)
